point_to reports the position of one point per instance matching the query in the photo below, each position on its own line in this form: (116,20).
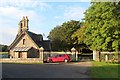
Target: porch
(26,52)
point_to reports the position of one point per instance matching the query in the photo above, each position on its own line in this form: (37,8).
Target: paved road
(52,70)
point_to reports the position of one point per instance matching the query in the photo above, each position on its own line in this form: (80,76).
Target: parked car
(59,58)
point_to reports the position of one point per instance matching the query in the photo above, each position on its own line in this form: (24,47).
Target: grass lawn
(3,52)
(104,70)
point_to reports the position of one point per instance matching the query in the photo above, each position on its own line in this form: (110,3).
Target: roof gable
(19,37)
(37,39)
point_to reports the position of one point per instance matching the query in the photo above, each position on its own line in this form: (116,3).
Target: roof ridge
(32,32)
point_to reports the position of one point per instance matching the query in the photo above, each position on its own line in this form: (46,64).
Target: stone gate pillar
(96,55)
(10,55)
(74,55)
(41,53)
(106,57)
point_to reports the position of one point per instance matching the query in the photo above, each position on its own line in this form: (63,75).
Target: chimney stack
(23,25)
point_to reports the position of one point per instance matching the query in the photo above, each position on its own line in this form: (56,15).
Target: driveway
(47,70)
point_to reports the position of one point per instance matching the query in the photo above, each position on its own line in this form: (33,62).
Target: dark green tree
(61,35)
(5,48)
(56,37)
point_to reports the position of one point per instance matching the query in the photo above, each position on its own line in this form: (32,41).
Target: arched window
(24,42)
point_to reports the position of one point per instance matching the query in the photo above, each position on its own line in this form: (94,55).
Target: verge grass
(104,70)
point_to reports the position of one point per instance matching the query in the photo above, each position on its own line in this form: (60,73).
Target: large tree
(57,38)
(103,30)
(79,36)
(61,35)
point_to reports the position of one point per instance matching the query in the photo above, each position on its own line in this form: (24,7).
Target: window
(24,42)
(57,56)
(62,55)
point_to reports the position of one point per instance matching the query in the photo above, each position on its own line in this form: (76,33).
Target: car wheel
(50,61)
(65,60)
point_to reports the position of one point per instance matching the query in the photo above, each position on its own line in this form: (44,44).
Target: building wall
(24,55)
(28,43)
(11,52)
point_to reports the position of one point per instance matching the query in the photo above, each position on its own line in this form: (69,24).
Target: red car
(59,58)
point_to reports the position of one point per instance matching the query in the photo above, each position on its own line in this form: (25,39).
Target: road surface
(47,70)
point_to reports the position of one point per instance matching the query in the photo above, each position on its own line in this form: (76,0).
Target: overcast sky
(43,16)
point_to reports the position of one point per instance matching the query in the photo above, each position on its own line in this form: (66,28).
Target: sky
(43,15)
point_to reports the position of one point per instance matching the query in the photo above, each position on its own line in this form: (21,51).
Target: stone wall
(110,56)
(18,60)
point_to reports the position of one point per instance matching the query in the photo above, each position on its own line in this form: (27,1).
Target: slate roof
(45,44)
(35,37)
(38,39)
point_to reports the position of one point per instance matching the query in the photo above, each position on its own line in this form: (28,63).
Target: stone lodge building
(27,44)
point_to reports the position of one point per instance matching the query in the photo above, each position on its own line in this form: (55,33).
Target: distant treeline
(3,48)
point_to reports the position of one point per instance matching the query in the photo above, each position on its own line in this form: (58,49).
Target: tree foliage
(99,31)
(61,35)
(78,36)
(5,48)
(103,30)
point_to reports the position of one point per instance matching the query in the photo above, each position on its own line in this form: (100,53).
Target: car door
(56,58)
(61,58)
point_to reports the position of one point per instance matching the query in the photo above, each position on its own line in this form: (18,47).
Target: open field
(104,70)
(3,52)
